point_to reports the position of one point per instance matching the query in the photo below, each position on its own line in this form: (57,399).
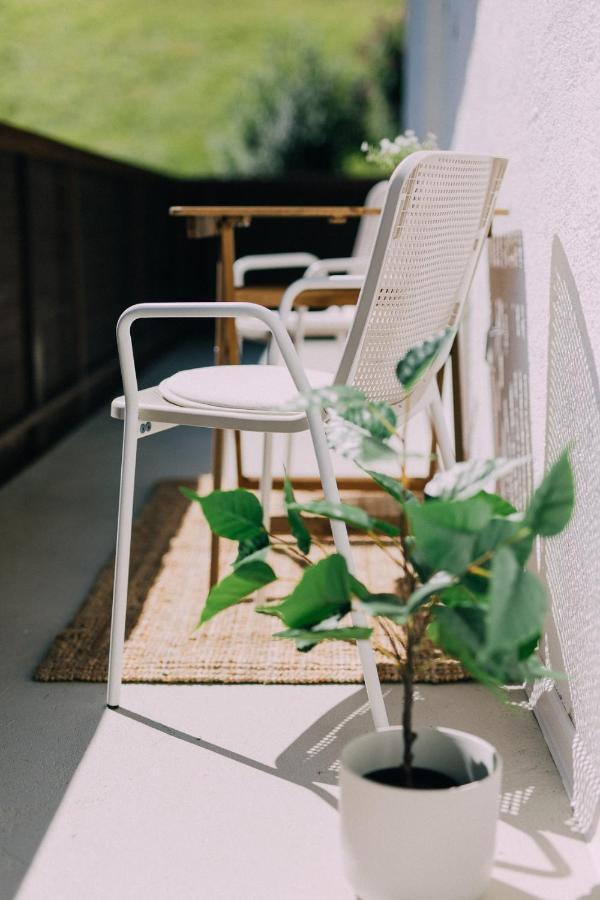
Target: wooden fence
(81,238)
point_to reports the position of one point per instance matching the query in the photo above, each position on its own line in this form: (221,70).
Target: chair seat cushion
(258,388)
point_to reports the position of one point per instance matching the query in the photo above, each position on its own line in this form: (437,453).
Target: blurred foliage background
(206,87)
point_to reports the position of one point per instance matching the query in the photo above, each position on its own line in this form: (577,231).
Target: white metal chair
(434,224)
(335,321)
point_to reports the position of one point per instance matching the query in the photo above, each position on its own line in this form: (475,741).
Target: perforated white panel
(571,561)
(439,228)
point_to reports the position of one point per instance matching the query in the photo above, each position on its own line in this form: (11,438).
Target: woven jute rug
(168,585)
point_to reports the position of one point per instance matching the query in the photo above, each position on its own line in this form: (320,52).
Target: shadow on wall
(508,357)
(571,561)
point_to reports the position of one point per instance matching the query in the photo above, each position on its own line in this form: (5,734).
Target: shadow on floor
(48,738)
(311,761)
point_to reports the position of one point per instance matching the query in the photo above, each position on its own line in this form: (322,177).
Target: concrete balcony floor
(215,792)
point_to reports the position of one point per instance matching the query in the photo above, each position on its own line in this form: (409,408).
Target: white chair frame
(393,288)
(133,431)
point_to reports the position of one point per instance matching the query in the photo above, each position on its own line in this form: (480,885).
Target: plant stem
(319,544)
(376,540)
(407,680)
(289,548)
(407,665)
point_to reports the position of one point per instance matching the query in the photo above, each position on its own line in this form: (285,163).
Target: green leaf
(339,397)
(477,585)
(189,493)
(351,515)
(393,607)
(306,638)
(460,595)
(323,592)
(422,568)
(353,442)
(417,361)
(465,479)
(460,633)
(504,531)
(242,582)
(498,505)
(552,503)
(516,605)
(375,417)
(378,419)
(252,549)
(358,588)
(529,647)
(297,526)
(392,486)
(462,629)
(446,532)
(421,595)
(235,514)
(389,605)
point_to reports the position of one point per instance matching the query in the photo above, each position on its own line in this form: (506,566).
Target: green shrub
(301,115)
(383,89)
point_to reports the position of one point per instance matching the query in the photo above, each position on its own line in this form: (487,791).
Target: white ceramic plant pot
(405,844)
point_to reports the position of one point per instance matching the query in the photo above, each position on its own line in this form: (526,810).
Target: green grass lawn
(152,81)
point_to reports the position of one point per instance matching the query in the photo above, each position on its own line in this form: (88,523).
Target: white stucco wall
(531,92)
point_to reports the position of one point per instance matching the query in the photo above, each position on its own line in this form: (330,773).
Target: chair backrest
(368,225)
(436,218)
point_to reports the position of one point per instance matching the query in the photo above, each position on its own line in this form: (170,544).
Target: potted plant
(418,806)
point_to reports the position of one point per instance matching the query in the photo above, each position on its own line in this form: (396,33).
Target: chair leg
(266,478)
(217,471)
(299,345)
(266,487)
(125,521)
(440,427)
(342,545)
(289,454)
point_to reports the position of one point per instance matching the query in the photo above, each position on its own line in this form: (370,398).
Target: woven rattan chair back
(436,217)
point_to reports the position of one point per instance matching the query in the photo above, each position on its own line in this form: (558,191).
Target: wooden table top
(281,212)
(274,212)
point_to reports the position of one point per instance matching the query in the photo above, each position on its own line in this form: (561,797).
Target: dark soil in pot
(422,779)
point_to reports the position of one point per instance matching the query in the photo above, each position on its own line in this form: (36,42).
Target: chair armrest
(267,261)
(351,265)
(333,282)
(227,310)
